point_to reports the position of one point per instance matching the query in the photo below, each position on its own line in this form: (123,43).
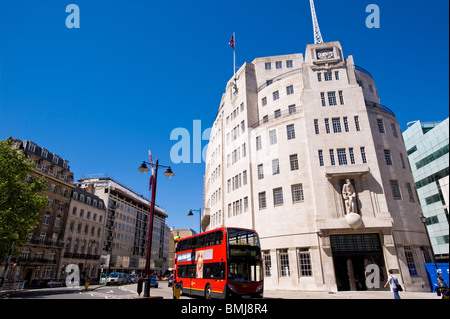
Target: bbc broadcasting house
(303,152)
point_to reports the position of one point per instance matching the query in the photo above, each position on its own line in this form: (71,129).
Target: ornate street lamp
(169,174)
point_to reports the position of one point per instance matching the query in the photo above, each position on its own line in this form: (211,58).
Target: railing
(363,70)
(379,106)
(46,242)
(279,77)
(284,113)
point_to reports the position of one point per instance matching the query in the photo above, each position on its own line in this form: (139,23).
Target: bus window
(214,270)
(201,241)
(219,237)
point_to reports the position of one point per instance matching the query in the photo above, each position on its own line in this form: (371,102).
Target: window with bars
(336,121)
(283,263)
(363,154)
(290,131)
(273,137)
(267,263)
(332,98)
(277,196)
(275,167)
(262,200)
(395,189)
(411,261)
(342,156)
(293,159)
(380,126)
(321,163)
(316,126)
(297,193)
(304,262)
(333,162)
(260,171)
(387,156)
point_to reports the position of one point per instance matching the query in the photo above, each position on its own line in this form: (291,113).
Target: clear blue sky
(102,95)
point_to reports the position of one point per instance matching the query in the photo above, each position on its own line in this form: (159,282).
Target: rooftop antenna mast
(317,34)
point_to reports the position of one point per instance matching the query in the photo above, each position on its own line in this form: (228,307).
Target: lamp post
(13,237)
(192,215)
(169,174)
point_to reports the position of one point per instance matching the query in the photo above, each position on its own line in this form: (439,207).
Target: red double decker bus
(221,263)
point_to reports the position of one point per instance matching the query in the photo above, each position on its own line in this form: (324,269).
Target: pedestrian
(441,288)
(139,285)
(393,282)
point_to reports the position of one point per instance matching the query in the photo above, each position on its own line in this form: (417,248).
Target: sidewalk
(286,294)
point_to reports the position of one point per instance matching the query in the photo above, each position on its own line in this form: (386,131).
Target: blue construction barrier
(442,269)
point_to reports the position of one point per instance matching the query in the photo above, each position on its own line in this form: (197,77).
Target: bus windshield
(244,256)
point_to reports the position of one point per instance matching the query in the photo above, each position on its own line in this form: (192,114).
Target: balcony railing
(379,106)
(273,117)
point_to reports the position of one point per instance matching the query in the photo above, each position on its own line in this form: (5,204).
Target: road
(104,292)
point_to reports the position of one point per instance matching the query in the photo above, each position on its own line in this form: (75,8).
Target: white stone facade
(269,167)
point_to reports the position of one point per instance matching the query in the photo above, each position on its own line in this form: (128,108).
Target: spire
(317,35)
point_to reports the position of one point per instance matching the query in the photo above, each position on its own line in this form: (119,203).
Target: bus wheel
(208,293)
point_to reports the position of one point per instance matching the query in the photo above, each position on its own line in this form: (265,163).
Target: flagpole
(234,56)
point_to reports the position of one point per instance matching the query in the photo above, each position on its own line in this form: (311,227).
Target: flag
(232,41)
(152,177)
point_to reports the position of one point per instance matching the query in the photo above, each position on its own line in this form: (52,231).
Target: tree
(20,202)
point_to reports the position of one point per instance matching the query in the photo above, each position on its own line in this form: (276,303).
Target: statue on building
(349,195)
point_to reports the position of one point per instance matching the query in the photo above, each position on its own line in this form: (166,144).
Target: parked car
(115,278)
(170,281)
(153,281)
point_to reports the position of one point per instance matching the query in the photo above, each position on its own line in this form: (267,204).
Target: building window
(322,97)
(268,65)
(264,101)
(292,109)
(328,76)
(363,154)
(290,90)
(277,113)
(394,130)
(358,128)
(332,98)
(273,137)
(46,219)
(258,143)
(380,126)
(346,124)
(332,157)
(327,126)
(293,159)
(275,167)
(278,64)
(316,126)
(290,131)
(336,124)
(352,155)
(265,119)
(395,189)
(283,262)
(276,95)
(342,156)
(262,200)
(260,171)
(321,163)
(336,75)
(319,77)
(410,192)
(341,97)
(304,262)
(297,193)
(387,157)
(411,262)
(277,196)
(289,64)
(267,263)
(402,160)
